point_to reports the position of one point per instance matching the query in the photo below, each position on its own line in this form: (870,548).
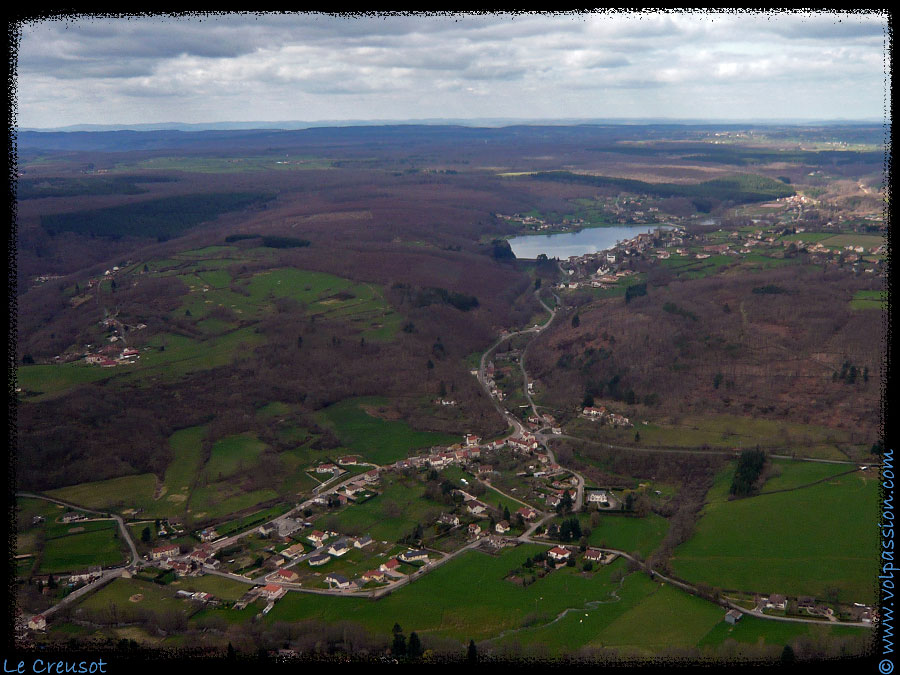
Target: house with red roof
(317,537)
(593,554)
(273,591)
(286,575)
(558,554)
(527,513)
(389,566)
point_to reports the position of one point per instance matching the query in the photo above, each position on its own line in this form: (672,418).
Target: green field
(54,379)
(28,508)
(866,240)
(752,630)
(233,454)
(625,533)
(392,514)
(171,357)
(317,293)
(115,493)
(220,587)
(803,541)
(668,617)
(456,595)
(378,440)
(178,495)
(218,500)
(209,287)
(733,431)
(118,592)
(689,267)
(869,300)
(182,470)
(787,475)
(806,237)
(71,550)
(630,534)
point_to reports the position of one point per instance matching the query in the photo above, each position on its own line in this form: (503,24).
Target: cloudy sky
(231,67)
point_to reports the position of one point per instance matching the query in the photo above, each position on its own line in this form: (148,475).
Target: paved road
(106,575)
(222,543)
(126,535)
(374,593)
(693,589)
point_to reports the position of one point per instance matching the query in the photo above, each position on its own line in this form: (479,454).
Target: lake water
(589,240)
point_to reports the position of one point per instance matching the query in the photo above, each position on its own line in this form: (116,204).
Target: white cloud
(321,66)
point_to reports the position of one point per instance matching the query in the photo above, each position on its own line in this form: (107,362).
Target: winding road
(526,537)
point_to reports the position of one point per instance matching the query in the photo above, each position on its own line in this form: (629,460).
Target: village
(781,236)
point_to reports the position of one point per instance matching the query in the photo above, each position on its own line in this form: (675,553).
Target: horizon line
(292,125)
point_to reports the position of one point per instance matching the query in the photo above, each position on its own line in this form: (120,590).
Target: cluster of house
(355,490)
(112,355)
(602,415)
(337,548)
(169,557)
(857,612)
(555,497)
(489,372)
(560,555)
(539,224)
(535,422)
(92,574)
(389,568)
(477,508)
(276,587)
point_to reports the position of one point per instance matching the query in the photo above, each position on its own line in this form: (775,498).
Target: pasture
(752,630)
(390,515)
(233,454)
(98,544)
(115,493)
(869,300)
(456,594)
(625,533)
(803,541)
(734,431)
(382,441)
(182,470)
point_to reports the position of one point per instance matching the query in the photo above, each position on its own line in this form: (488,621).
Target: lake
(589,240)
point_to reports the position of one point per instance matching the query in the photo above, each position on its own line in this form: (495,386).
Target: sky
(82,69)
